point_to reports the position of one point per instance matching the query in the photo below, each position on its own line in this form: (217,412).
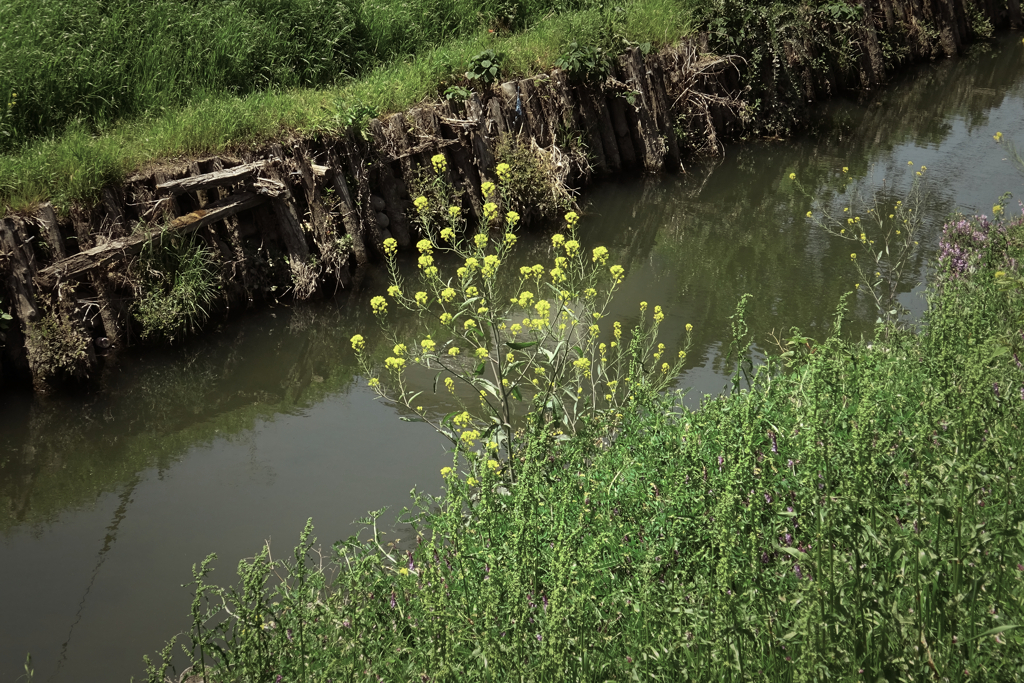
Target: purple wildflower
(775,445)
(345,623)
(995,389)
(797,571)
(288,632)
(394,603)
(768,498)
(539,637)
(721,462)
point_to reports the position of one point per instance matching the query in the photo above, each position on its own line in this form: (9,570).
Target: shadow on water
(242,435)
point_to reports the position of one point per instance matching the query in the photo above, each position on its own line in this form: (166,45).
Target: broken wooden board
(205,181)
(78,265)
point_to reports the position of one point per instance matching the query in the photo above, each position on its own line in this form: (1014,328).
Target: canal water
(106,500)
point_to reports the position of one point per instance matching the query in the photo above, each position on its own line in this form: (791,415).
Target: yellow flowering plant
(884,238)
(531,336)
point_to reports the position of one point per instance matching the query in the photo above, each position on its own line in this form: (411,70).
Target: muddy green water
(106,500)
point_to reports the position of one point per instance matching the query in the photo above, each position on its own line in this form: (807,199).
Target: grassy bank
(95,95)
(849,513)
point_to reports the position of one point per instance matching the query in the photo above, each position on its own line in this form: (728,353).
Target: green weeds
(176,282)
(850,513)
(157,101)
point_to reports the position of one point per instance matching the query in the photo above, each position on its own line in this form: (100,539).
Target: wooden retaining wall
(275,218)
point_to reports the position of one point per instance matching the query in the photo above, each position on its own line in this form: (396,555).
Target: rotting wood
(644,108)
(78,265)
(51,228)
(398,133)
(324,234)
(627,153)
(496,124)
(386,184)
(20,269)
(347,208)
(461,156)
(594,99)
(513,111)
(354,157)
(205,181)
(481,147)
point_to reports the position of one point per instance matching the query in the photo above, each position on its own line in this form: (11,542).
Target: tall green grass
(848,513)
(103,88)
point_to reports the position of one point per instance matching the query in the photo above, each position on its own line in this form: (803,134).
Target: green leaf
(412,419)
(479,369)
(519,346)
(997,629)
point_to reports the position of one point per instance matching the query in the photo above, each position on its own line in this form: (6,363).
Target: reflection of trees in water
(60,453)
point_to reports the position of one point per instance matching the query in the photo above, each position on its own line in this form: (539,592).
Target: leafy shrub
(484,68)
(582,64)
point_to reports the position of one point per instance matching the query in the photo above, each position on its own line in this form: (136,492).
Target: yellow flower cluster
(618,273)
(394,292)
(490,210)
(454,211)
(689,327)
(582,365)
(421,203)
(557,240)
(572,247)
(379,305)
(470,435)
(525,298)
(558,275)
(440,163)
(493,465)
(572,219)
(491,263)
(450,384)
(447,294)
(501,170)
(480,353)
(421,298)
(600,255)
(358,343)
(480,240)
(448,235)
(543,309)
(445,471)
(453,351)
(428,345)
(510,239)
(511,218)
(390,246)
(399,350)
(487,189)
(658,314)
(446,318)
(425,247)
(394,364)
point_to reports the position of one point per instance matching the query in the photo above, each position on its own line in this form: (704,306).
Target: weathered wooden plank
(481,147)
(80,264)
(349,214)
(20,268)
(49,227)
(205,181)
